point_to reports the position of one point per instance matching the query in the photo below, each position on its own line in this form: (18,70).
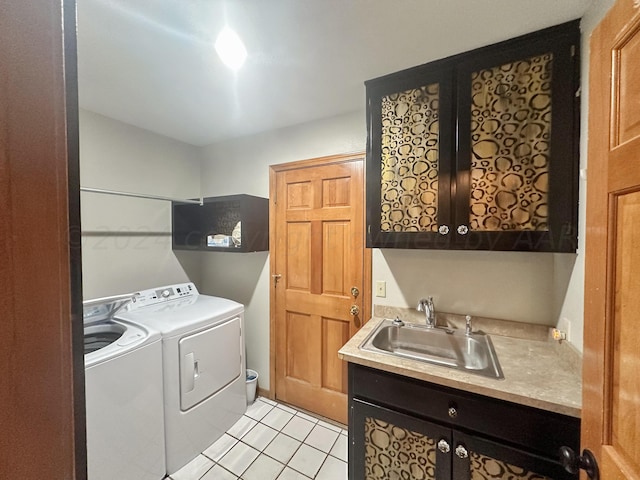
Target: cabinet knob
(355,292)
(443,229)
(453,413)
(354,310)
(443,446)
(463,229)
(461,452)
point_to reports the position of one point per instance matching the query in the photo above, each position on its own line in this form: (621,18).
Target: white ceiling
(151,63)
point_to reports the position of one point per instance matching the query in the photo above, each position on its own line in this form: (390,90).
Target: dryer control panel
(158,295)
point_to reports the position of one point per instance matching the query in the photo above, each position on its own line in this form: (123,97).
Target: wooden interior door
(42,416)
(319,266)
(611,384)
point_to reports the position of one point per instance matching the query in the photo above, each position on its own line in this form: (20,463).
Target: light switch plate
(381,288)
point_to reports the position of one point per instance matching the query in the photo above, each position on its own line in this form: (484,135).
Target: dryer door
(209,361)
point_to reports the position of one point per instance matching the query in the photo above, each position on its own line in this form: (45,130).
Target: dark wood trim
(42,361)
(75,231)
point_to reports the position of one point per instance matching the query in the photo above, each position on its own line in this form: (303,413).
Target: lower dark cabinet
(387,440)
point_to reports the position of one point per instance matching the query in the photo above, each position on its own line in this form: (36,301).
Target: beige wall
(509,285)
(120,249)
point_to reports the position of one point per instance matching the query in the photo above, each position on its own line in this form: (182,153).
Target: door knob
(354,310)
(572,462)
(355,292)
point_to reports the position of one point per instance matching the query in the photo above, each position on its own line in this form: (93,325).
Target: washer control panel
(167,293)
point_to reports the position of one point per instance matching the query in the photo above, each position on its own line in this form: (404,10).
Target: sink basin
(439,346)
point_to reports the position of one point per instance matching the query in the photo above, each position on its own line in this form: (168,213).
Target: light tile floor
(273,441)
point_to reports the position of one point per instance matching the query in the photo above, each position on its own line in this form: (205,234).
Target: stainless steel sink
(450,348)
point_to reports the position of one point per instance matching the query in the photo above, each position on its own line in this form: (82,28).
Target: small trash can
(252,383)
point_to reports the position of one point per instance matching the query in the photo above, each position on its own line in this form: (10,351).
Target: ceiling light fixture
(230,49)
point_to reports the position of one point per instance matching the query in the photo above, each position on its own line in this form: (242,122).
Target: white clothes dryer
(123,385)
(203,363)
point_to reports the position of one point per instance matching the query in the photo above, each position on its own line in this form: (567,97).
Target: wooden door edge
(272,290)
(598,246)
(317,161)
(367,262)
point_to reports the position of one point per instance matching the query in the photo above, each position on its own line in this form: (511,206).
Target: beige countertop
(537,373)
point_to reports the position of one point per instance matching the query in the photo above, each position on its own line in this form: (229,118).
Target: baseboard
(262,392)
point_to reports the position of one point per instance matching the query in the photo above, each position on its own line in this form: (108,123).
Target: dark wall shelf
(192,224)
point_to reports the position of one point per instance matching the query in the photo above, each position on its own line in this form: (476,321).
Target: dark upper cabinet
(478,150)
(193,224)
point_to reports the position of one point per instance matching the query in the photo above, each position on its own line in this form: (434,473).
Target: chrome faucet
(429,310)
(468,331)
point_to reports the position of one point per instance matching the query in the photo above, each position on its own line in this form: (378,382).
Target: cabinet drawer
(535,430)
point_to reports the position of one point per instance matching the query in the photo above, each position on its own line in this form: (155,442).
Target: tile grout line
(315,421)
(302,442)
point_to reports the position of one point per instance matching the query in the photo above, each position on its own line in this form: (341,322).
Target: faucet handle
(421,305)
(468,326)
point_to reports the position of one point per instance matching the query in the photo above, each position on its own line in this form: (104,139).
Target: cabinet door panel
(408,160)
(476,458)
(384,444)
(516,169)
(510,155)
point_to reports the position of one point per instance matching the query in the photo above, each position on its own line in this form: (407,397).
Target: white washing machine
(123,384)
(203,363)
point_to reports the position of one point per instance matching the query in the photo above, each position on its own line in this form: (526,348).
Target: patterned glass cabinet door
(516,166)
(388,445)
(476,458)
(410,151)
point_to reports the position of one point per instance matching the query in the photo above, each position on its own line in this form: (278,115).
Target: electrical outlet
(381,288)
(564,325)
